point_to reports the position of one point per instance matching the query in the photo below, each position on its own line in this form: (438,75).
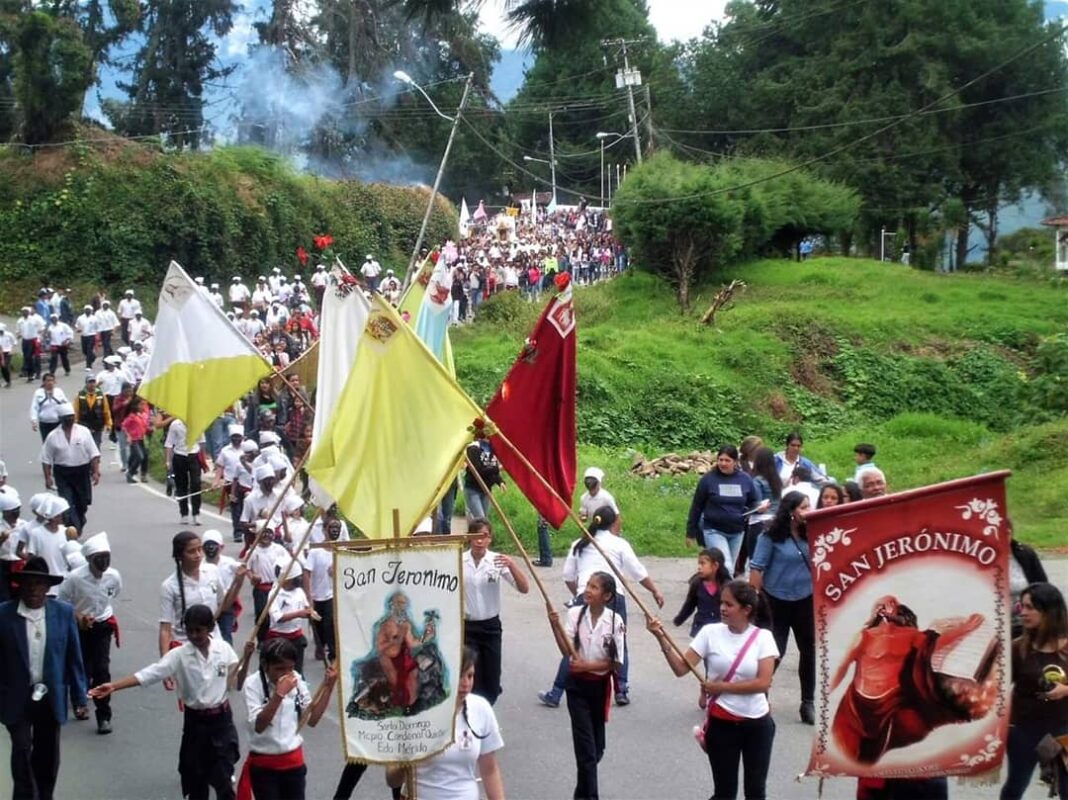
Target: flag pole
(554,617)
(593,540)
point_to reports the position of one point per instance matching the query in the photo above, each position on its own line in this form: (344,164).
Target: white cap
(113,360)
(237,430)
(295,571)
(64,410)
(277,461)
(595,472)
(128,291)
(212,535)
(123,351)
(54,506)
(291,503)
(96,544)
(72,553)
(268,437)
(38,500)
(249,446)
(9,500)
(236,278)
(262,472)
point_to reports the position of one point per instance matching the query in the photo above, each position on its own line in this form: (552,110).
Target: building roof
(1057,222)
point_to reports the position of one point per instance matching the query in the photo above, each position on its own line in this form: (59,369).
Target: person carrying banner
(483,572)
(277,700)
(1039,687)
(471,758)
(739,656)
(204,669)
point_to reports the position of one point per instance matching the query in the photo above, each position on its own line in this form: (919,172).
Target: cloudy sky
(673,19)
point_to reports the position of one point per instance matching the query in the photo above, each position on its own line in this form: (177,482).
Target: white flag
(465,219)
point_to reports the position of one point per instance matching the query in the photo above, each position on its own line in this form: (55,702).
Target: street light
(552,169)
(404,77)
(601,136)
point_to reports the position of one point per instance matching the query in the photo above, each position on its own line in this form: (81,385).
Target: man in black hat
(40,667)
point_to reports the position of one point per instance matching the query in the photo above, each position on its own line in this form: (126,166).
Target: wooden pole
(305,714)
(593,540)
(554,621)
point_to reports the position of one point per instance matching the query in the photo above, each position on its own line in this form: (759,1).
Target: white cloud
(673,19)
(240,35)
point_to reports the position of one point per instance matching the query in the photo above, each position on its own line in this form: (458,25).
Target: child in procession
(288,611)
(703,597)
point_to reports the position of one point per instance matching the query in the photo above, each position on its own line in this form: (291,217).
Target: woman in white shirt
(276,699)
(739,656)
(483,572)
(454,773)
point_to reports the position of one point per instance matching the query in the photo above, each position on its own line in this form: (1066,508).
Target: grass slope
(935,370)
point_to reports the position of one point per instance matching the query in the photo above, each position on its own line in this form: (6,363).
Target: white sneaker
(184,521)
(196,520)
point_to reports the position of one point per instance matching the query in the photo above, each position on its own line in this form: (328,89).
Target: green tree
(8,29)
(104,23)
(53,67)
(678,221)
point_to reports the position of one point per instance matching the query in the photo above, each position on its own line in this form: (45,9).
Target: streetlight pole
(552,166)
(404,77)
(552,157)
(601,136)
(602,170)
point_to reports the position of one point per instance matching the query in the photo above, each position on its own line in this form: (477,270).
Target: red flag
(535,410)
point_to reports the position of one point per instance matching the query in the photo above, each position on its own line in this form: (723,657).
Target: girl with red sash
(276,699)
(289,609)
(597,636)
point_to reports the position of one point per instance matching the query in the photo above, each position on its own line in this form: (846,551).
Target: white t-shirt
(286,601)
(320,562)
(718,646)
(48,545)
(91,595)
(281,735)
(579,568)
(201,680)
(78,451)
(207,591)
(453,774)
(589,505)
(85,324)
(482,586)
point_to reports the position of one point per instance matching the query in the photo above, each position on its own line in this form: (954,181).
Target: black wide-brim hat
(37,569)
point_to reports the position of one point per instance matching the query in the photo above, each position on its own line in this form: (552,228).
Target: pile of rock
(673,464)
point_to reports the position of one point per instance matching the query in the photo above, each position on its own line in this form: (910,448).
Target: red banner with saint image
(912,632)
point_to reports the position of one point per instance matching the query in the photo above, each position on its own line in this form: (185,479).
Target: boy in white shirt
(288,611)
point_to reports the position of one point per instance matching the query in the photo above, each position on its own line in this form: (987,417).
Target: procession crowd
(751,590)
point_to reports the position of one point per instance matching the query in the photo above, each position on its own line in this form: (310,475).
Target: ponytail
(178,545)
(748,597)
(603,519)
(470,661)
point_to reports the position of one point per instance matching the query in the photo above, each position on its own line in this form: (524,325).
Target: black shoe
(542,563)
(130,479)
(103,727)
(808,713)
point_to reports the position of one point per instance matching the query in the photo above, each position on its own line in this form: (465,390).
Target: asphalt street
(650,749)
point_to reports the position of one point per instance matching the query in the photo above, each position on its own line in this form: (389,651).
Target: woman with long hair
(739,656)
(1039,686)
(193,582)
(781,566)
(831,494)
(724,498)
(769,487)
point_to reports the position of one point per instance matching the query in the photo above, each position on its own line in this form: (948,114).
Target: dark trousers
(5,367)
(207,755)
(5,577)
(237,502)
(35,752)
(45,428)
(89,350)
(325,628)
(750,741)
(186,471)
(75,485)
(797,616)
(105,342)
(259,602)
(585,705)
(96,654)
(484,637)
(31,362)
(545,543)
(903,789)
(270,784)
(137,461)
(226,625)
(1022,759)
(124,330)
(59,355)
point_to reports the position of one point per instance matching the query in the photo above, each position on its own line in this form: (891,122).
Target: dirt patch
(778,407)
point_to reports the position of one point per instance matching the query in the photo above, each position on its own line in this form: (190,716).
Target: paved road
(650,753)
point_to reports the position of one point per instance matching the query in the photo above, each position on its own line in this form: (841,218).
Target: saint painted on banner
(907,682)
(404,673)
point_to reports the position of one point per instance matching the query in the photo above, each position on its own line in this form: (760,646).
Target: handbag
(699,734)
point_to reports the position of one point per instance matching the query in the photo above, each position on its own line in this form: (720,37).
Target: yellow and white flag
(398,433)
(200,362)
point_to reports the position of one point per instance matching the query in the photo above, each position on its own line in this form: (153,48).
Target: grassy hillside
(948,375)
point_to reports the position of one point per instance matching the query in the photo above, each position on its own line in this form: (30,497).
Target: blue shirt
(787,574)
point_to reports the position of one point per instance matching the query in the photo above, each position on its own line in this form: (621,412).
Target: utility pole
(628,78)
(649,119)
(552,156)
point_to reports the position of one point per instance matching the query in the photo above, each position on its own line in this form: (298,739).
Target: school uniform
(261,569)
(453,774)
(48,544)
(92,597)
(482,621)
(185,468)
(71,460)
(16,534)
(275,767)
(227,568)
(320,563)
(209,746)
(206,590)
(589,695)
(286,601)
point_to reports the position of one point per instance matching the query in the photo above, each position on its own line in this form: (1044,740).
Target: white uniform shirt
(286,601)
(262,297)
(129,306)
(579,568)
(106,320)
(319,278)
(227,568)
(91,595)
(139,329)
(15,534)
(281,735)
(254,327)
(718,647)
(78,451)
(43,407)
(263,560)
(30,327)
(370,269)
(238,293)
(36,636)
(60,334)
(229,459)
(320,563)
(453,774)
(136,366)
(40,541)
(7,342)
(208,591)
(201,679)
(595,640)
(176,439)
(318,534)
(217,298)
(110,381)
(85,324)
(482,586)
(589,505)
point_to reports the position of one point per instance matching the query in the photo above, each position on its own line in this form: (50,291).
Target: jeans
(729,543)
(226,624)
(218,435)
(476,502)
(798,616)
(750,741)
(137,459)
(124,448)
(619,605)
(444,512)
(1021,758)
(545,544)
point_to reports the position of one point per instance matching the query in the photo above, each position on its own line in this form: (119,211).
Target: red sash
(292,635)
(277,762)
(113,623)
